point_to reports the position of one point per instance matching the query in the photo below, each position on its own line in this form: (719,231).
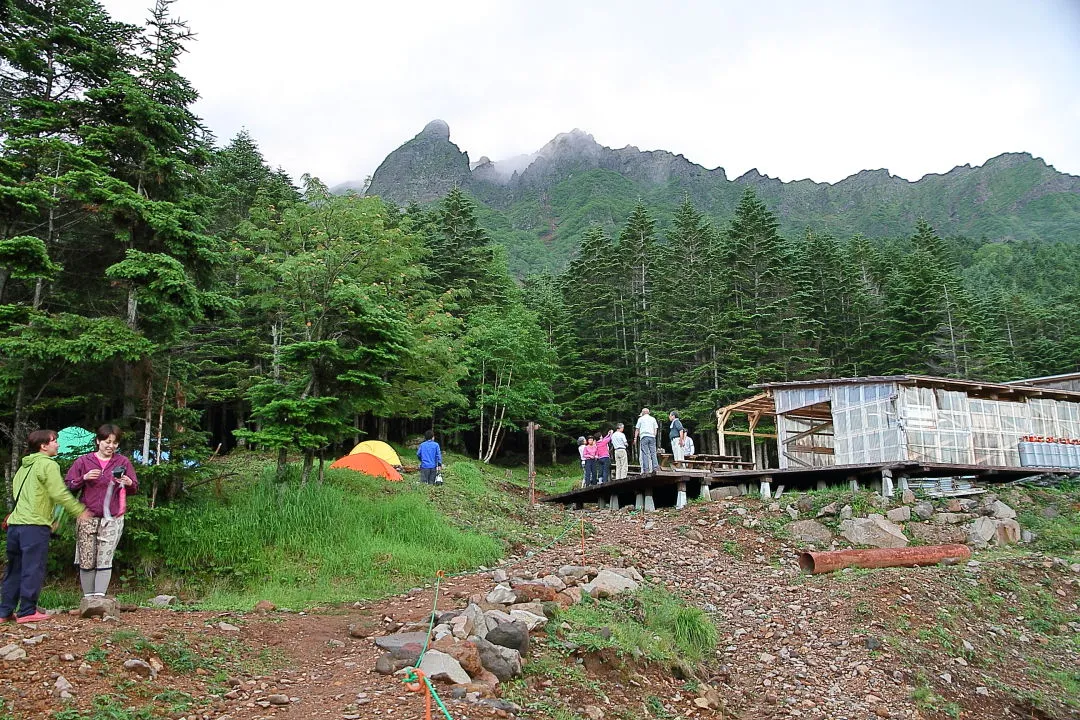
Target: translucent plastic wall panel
(1044,417)
(996,427)
(1068,419)
(937,425)
(864,420)
(799,398)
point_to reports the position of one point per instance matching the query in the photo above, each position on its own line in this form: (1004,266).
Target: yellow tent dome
(380,450)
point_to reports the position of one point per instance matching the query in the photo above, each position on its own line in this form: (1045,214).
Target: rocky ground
(997,637)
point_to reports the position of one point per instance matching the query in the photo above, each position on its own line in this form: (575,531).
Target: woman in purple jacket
(105,478)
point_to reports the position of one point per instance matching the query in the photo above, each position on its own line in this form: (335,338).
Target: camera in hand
(118,473)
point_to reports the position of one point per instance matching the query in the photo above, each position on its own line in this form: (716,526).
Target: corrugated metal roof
(1014,389)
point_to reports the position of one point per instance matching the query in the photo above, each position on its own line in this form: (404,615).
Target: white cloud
(796,90)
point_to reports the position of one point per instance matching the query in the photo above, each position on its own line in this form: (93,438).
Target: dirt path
(847,645)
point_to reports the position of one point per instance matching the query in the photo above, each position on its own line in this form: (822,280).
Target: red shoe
(36,617)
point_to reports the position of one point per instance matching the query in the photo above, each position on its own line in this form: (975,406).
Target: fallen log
(815,563)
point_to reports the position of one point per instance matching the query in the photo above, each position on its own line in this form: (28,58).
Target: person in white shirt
(618,445)
(645,436)
(581,454)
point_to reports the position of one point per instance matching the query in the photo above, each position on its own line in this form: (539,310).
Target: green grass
(1059,535)
(650,623)
(350,537)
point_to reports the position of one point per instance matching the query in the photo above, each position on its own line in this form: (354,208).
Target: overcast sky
(795,89)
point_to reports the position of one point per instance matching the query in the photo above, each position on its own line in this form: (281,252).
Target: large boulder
(399,640)
(502,595)
(466,653)
(476,618)
(576,572)
(874,531)
(1001,511)
(608,583)
(513,635)
(810,531)
(440,666)
(103,607)
(982,531)
(532,620)
(899,514)
(923,509)
(530,592)
(725,491)
(1007,532)
(494,659)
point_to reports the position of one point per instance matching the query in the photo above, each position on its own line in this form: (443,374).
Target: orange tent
(369,465)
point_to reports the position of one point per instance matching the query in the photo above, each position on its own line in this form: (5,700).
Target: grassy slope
(351,537)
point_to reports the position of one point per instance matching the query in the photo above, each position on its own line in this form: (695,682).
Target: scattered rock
(513,635)
(278,699)
(907,497)
(804,504)
(1001,511)
(846,512)
(592,712)
(923,510)
(792,512)
(12,652)
(608,584)
(1006,532)
(162,600)
(695,535)
(62,688)
(828,511)
(438,665)
(725,491)
(227,627)
(139,667)
(503,595)
(982,531)
(265,606)
(102,607)
(899,514)
(399,640)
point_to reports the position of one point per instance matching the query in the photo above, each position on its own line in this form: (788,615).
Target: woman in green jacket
(37,488)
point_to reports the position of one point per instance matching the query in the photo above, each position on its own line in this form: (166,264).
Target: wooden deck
(661,487)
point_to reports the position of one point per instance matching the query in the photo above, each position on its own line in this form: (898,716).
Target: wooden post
(532,462)
(753,417)
(721,420)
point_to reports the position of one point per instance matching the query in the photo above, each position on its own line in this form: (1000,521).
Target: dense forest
(185,289)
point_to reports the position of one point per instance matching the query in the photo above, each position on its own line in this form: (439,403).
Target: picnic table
(703,461)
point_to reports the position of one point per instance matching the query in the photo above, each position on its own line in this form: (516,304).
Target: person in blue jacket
(430,455)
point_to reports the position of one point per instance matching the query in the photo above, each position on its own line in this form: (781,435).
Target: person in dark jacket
(430,455)
(106,478)
(37,488)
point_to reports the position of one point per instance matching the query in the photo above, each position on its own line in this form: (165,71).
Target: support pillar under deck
(680,499)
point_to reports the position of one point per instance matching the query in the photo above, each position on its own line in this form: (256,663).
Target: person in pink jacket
(105,478)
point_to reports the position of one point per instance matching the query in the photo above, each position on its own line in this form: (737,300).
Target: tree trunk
(282,462)
(383,425)
(309,462)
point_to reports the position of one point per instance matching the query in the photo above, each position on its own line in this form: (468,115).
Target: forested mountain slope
(539,204)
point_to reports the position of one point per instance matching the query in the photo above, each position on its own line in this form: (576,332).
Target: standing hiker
(430,455)
(645,437)
(38,488)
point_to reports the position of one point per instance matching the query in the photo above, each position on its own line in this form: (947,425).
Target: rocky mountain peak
(437,129)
